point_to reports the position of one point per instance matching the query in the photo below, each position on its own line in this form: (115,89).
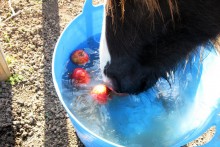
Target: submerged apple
(80,76)
(80,57)
(100,93)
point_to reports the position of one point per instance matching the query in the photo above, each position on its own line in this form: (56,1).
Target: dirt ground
(30,112)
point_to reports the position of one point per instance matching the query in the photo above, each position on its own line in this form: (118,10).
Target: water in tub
(157,117)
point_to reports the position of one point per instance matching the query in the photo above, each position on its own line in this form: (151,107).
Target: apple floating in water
(100,93)
(80,57)
(80,76)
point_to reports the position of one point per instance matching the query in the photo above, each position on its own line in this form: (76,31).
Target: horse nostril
(143,85)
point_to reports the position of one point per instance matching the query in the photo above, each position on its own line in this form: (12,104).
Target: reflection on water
(158,117)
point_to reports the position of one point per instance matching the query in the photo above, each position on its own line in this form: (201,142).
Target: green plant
(15,78)
(6,38)
(9,59)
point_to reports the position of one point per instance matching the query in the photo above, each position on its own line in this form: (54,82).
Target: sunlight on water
(151,118)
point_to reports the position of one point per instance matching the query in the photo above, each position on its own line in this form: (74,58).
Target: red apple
(80,57)
(80,76)
(100,93)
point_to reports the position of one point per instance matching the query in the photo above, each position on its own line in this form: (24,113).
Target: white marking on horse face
(104,55)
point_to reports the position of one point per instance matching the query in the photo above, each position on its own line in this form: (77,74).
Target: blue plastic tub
(204,94)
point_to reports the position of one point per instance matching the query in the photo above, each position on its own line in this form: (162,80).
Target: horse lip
(110,87)
(117,93)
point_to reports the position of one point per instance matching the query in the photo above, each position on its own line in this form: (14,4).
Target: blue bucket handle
(87,5)
(87,12)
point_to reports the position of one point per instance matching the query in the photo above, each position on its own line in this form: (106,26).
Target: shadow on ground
(56,133)
(55,123)
(7,132)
